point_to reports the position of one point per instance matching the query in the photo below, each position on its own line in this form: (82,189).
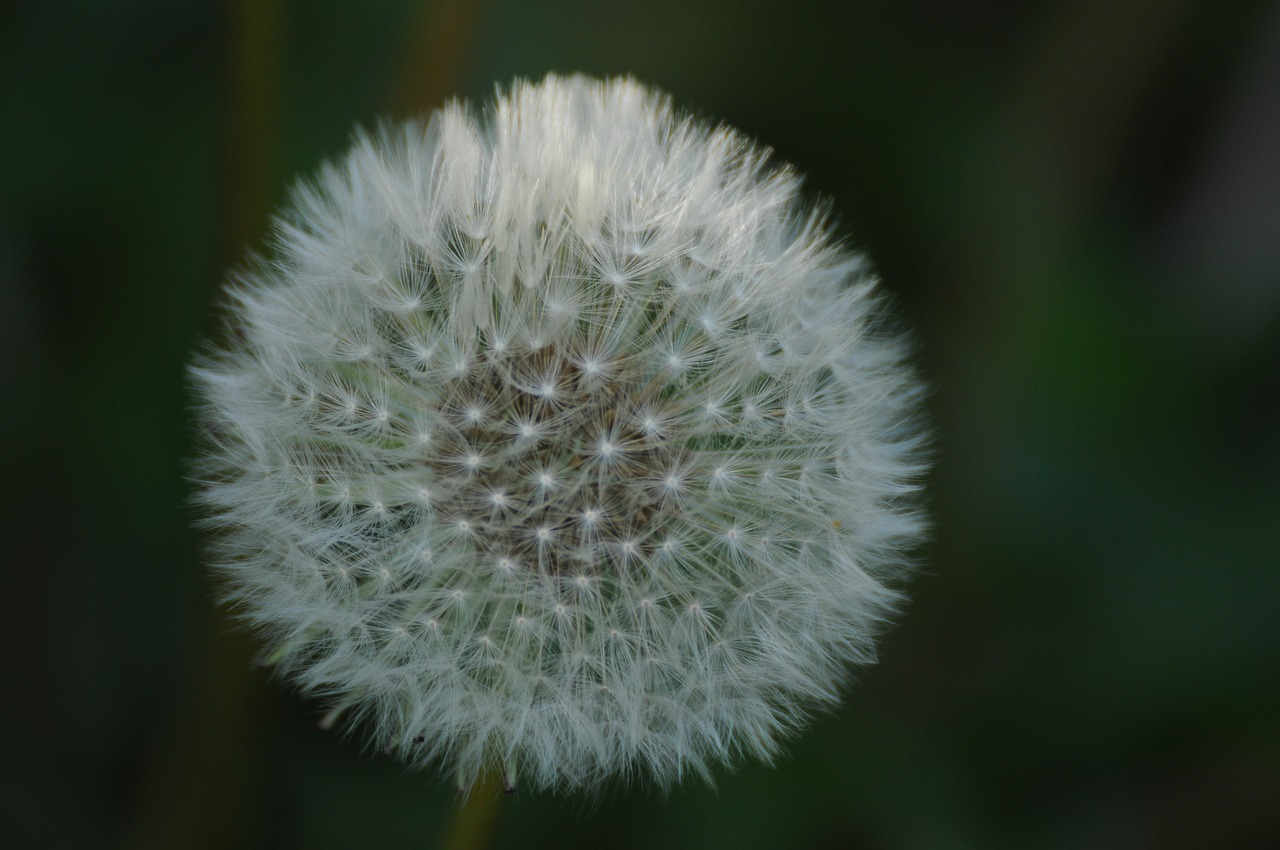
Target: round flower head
(561,441)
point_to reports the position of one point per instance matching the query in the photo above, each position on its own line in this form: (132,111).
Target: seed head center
(562,466)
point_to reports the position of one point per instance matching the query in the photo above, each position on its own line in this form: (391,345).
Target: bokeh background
(1077,206)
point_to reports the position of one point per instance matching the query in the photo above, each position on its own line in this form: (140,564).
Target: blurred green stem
(197,785)
(436,50)
(474,821)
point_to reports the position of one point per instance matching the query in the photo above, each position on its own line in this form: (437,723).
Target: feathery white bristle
(556,439)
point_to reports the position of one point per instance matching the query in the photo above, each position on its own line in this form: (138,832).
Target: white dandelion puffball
(561,441)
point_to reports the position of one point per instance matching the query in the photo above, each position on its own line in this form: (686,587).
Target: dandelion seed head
(527,446)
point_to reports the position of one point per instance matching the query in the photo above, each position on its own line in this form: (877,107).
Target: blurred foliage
(1077,205)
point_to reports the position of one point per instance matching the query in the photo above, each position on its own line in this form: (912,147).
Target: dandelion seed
(572,389)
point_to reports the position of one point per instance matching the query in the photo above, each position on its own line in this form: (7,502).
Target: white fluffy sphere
(561,441)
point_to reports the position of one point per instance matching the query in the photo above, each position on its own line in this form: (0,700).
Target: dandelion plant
(561,442)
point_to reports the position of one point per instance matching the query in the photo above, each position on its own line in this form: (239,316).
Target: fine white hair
(561,441)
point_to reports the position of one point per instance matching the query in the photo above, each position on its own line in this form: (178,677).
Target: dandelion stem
(474,820)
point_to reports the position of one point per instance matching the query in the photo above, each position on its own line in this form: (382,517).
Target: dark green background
(1077,205)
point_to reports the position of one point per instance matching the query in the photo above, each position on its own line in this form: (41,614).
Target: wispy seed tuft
(561,438)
